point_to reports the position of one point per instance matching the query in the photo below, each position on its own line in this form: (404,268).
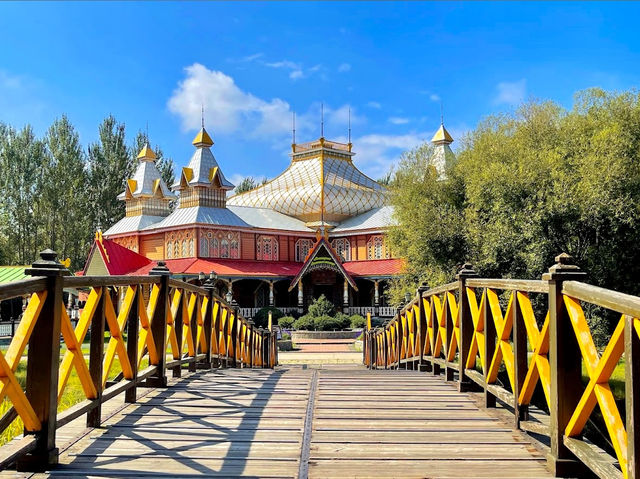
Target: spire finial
(202,115)
(322,120)
(146,134)
(349,124)
(294,128)
(441,113)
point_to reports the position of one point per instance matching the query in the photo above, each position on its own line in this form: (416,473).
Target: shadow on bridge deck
(251,423)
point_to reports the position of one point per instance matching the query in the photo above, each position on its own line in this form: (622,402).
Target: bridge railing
(480,330)
(152,323)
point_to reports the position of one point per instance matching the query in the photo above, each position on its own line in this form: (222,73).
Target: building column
(345,296)
(376,297)
(300,295)
(272,299)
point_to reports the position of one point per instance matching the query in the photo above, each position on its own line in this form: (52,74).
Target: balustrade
(475,328)
(160,321)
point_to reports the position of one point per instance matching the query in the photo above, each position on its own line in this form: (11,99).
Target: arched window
(375,248)
(235,246)
(169,250)
(224,248)
(267,248)
(185,251)
(191,248)
(214,252)
(176,249)
(302,249)
(343,248)
(204,247)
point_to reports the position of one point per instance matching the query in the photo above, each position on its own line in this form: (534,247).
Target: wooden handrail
(155,316)
(466,329)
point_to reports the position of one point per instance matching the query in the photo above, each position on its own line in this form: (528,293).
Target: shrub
(286,337)
(327,323)
(262,316)
(286,321)
(342,320)
(321,307)
(304,322)
(358,321)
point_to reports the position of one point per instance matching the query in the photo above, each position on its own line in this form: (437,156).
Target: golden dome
(442,136)
(147,153)
(202,139)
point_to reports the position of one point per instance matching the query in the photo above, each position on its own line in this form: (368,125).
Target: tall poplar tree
(109,166)
(64,193)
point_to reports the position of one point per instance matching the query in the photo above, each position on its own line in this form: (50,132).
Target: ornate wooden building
(317,228)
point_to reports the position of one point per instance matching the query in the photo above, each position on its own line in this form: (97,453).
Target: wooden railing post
(423,365)
(398,320)
(235,331)
(159,325)
(466,325)
(178,328)
(565,363)
(207,324)
(133,328)
(96,352)
(42,364)
(489,348)
(521,360)
(251,331)
(632,396)
(385,344)
(193,331)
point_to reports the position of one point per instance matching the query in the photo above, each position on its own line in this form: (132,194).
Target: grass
(73,394)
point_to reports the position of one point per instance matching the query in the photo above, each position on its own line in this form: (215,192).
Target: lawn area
(73,394)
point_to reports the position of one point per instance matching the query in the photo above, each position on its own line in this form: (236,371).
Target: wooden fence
(475,328)
(167,322)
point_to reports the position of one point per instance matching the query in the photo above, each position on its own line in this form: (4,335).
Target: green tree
(525,187)
(64,194)
(249,183)
(109,165)
(21,163)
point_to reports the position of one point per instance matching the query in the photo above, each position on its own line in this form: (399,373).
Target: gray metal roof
(145,176)
(268,219)
(129,224)
(201,164)
(201,214)
(376,218)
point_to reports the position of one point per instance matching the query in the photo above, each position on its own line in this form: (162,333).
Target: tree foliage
(525,187)
(248,183)
(56,194)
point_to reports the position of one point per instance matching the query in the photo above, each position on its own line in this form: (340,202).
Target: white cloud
(397,120)
(251,58)
(376,154)
(296,74)
(340,116)
(344,67)
(434,97)
(227,107)
(374,104)
(511,93)
(284,64)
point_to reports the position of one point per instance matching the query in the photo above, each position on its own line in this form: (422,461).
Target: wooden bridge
(449,388)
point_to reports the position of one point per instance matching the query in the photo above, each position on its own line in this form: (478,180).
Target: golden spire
(147,153)
(442,136)
(202,139)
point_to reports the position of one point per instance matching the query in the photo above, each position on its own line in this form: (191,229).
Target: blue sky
(252,64)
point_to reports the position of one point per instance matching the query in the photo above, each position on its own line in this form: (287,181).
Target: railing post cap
(564,268)
(466,271)
(422,288)
(160,270)
(47,265)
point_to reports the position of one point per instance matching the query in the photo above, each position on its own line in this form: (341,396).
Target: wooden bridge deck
(343,422)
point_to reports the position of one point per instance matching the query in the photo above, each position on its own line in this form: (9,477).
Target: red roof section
(118,259)
(227,267)
(377,267)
